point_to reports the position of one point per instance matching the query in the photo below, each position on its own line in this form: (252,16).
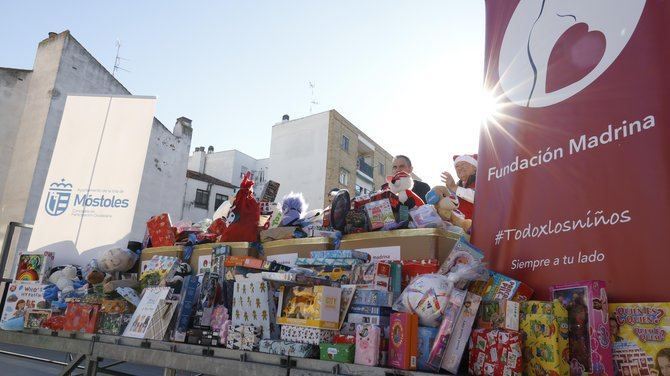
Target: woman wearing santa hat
(466,170)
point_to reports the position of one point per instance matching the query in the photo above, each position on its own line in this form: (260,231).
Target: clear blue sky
(407,73)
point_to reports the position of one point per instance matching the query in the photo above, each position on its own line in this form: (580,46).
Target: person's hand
(449,181)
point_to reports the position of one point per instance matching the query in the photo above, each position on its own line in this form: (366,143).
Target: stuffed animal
(293,208)
(64,278)
(117,260)
(244,215)
(446,204)
(401,184)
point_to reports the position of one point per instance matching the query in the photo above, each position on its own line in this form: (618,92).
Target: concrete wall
(13,91)
(163,185)
(298,157)
(195,214)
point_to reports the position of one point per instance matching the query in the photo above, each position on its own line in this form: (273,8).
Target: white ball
(427,296)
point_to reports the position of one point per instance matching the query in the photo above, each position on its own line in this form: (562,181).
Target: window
(344,177)
(345,143)
(201,199)
(219,199)
(381,169)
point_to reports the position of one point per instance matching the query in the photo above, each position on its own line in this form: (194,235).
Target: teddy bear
(117,260)
(446,204)
(401,184)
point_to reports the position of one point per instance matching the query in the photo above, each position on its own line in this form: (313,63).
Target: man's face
(400,164)
(464,170)
(664,365)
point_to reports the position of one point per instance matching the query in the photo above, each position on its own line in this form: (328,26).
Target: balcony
(364,168)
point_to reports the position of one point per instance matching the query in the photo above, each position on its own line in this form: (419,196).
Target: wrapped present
(426,338)
(254,304)
(310,336)
(311,306)
(461,333)
(501,287)
(453,308)
(55,323)
(350,262)
(403,344)
(380,214)
(160,230)
(342,338)
(498,314)
(368,338)
(81,317)
(361,201)
(300,350)
(203,337)
(113,323)
(495,352)
(413,268)
(373,298)
(639,337)
(544,326)
(588,326)
(34,267)
(340,254)
(337,352)
(243,337)
(114,306)
(357,318)
(217,226)
(34,318)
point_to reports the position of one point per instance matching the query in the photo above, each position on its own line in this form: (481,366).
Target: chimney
(183,127)
(210,149)
(285,118)
(197,162)
(52,34)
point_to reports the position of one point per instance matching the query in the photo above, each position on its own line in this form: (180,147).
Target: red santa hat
(398,175)
(467,158)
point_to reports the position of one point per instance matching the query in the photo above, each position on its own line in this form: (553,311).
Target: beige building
(317,153)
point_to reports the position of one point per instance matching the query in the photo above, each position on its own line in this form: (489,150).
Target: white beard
(402,196)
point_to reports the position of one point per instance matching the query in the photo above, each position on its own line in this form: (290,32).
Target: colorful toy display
(403,341)
(544,326)
(34,267)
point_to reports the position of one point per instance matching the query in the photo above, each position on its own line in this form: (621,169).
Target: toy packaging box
(81,317)
(380,213)
(357,318)
(451,312)
(413,268)
(35,317)
(22,296)
(253,304)
(300,350)
(640,342)
(161,319)
(501,287)
(372,298)
(495,352)
(310,336)
(340,254)
(310,306)
(368,338)
(34,267)
(160,230)
(544,326)
(588,326)
(403,340)
(341,262)
(370,310)
(209,293)
(243,337)
(427,337)
(337,352)
(187,299)
(498,314)
(151,301)
(461,333)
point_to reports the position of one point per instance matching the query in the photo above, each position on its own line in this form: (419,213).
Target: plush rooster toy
(401,184)
(242,221)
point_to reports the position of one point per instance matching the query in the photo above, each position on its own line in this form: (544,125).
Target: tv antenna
(118,59)
(313,100)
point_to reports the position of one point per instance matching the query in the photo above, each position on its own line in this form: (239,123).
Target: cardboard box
(544,326)
(301,334)
(408,244)
(203,252)
(461,333)
(278,233)
(302,247)
(639,333)
(311,306)
(589,329)
(254,304)
(300,350)
(337,352)
(495,352)
(499,314)
(403,344)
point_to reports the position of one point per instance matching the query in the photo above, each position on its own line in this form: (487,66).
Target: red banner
(574,168)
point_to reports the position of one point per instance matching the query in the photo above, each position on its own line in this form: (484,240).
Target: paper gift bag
(545,332)
(160,321)
(81,317)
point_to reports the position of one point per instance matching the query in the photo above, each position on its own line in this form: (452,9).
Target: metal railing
(364,167)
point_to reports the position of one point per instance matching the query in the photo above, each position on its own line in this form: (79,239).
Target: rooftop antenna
(118,59)
(313,100)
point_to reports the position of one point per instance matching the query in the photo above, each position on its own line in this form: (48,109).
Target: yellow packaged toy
(640,343)
(544,328)
(310,306)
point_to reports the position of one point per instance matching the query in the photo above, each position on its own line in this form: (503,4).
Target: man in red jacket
(466,170)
